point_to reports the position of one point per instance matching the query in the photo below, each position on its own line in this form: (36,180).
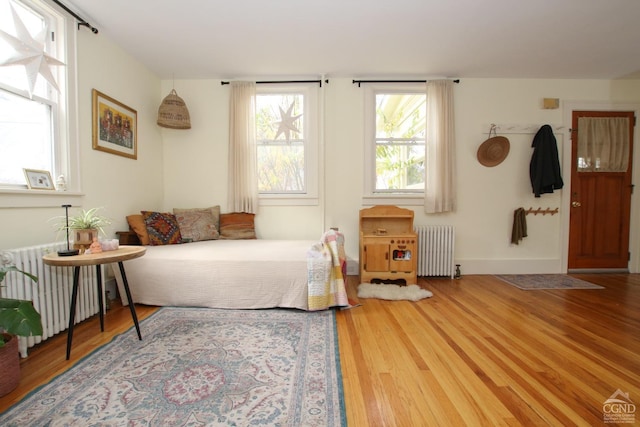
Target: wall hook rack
(542,211)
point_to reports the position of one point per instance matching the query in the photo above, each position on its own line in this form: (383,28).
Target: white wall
(118,184)
(187,168)
(195,168)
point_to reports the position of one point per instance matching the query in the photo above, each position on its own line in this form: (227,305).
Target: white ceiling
(374,38)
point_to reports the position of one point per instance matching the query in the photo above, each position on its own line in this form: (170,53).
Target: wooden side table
(121,254)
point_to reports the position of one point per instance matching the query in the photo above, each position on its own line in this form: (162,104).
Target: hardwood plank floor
(479,352)
(482,352)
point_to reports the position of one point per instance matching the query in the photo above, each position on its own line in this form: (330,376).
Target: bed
(239,274)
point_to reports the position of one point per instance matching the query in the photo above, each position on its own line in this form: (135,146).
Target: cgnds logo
(619,408)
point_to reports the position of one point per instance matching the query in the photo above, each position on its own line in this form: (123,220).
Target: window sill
(287,201)
(390,199)
(38,198)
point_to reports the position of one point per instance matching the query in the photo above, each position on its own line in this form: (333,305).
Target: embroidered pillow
(215,211)
(197,224)
(237,225)
(162,228)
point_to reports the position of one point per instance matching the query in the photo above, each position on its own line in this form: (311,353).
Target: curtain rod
(82,21)
(284,81)
(394,81)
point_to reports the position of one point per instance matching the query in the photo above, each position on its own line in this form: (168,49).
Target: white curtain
(243,181)
(603,144)
(439,186)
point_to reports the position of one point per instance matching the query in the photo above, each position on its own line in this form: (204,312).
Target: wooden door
(600,208)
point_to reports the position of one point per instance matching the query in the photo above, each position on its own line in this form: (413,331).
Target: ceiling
(194,39)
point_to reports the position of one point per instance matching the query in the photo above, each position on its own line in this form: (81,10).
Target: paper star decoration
(29,51)
(285,125)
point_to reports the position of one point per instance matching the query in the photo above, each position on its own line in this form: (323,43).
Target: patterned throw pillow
(237,225)
(215,211)
(162,228)
(197,224)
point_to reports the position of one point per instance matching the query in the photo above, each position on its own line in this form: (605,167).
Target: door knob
(576,204)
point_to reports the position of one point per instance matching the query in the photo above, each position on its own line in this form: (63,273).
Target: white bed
(234,274)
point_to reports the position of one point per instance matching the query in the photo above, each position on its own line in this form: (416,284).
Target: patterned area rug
(546,281)
(201,367)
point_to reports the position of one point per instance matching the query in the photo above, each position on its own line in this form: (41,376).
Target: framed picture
(115,126)
(38,180)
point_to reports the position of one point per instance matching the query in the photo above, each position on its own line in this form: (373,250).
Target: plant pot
(9,364)
(82,238)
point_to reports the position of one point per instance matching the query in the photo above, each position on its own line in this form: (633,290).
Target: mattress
(234,274)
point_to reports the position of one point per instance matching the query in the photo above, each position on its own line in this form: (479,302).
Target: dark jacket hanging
(544,168)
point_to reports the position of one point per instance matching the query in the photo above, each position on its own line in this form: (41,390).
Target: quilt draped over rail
(326,265)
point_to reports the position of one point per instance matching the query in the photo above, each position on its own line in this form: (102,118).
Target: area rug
(201,367)
(546,281)
(392,292)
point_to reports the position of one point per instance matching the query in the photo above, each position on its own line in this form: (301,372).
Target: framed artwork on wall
(115,126)
(38,179)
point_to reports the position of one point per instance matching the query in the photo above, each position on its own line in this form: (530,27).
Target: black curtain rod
(81,21)
(394,81)
(284,81)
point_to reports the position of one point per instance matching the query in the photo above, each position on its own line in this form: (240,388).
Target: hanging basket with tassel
(173,112)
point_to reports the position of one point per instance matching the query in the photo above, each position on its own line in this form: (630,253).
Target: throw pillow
(138,226)
(197,224)
(215,211)
(237,225)
(162,227)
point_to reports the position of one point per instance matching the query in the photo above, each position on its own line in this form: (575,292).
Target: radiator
(51,295)
(435,250)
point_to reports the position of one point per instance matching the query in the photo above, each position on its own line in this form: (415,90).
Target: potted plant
(17,317)
(84,227)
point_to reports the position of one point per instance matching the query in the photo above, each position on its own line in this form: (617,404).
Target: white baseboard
(493,266)
(510,266)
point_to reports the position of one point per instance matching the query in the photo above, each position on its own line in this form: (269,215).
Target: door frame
(634,226)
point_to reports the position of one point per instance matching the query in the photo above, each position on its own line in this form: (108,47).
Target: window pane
(281,143)
(25,137)
(399,167)
(400,142)
(15,75)
(400,115)
(281,168)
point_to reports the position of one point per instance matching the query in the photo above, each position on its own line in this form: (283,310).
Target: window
(286,121)
(33,114)
(395,140)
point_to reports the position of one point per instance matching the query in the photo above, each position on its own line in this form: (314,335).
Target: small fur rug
(392,292)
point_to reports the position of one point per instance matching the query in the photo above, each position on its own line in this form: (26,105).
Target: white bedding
(240,274)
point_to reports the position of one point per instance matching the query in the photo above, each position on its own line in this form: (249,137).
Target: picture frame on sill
(115,126)
(38,179)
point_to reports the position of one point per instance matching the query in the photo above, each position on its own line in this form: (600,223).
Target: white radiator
(435,250)
(51,295)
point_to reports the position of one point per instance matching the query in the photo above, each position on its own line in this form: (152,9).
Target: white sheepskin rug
(392,292)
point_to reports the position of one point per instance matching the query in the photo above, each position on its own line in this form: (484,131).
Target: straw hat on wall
(493,151)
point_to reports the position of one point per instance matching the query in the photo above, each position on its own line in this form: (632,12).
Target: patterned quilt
(326,265)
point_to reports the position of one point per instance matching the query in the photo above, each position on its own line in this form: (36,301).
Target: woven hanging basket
(173,112)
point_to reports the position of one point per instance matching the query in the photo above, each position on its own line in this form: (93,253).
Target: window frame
(371,196)
(311,93)
(64,118)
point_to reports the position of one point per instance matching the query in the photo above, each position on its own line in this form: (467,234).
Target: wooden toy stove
(388,245)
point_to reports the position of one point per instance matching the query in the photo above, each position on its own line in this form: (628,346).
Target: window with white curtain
(395,121)
(287,143)
(34,130)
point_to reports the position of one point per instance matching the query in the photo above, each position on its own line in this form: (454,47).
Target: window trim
(371,196)
(66,148)
(311,113)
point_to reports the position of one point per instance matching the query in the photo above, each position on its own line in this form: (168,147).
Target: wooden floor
(479,352)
